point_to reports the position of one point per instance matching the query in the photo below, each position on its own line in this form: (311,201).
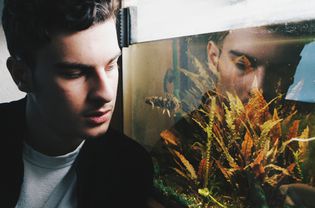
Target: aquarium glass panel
(228,116)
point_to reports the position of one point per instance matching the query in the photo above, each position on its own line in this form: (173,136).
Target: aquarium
(228,117)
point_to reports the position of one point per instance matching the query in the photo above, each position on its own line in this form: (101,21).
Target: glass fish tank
(228,117)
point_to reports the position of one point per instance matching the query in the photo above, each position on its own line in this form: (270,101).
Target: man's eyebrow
(115,57)
(252,59)
(77,65)
(72,65)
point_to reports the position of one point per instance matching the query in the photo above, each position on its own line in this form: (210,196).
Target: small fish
(168,103)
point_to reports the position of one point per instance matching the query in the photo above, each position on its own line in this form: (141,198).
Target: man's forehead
(263,35)
(94,45)
(261,46)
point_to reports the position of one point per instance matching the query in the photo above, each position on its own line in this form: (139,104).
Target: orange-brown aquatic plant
(238,154)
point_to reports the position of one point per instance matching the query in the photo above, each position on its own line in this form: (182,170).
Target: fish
(168,103)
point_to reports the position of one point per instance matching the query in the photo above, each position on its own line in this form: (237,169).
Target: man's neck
(50,146)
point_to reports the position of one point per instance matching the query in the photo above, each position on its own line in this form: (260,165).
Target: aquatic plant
(239,154)
(226,153)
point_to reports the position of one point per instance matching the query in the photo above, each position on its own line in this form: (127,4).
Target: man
(57,147)
(262,57)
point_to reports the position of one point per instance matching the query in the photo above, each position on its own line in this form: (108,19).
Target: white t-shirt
(49,182)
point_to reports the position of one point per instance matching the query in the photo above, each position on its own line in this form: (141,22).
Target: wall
(8,90)
(156,20)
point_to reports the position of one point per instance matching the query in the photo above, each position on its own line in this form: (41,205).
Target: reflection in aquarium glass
(228,116)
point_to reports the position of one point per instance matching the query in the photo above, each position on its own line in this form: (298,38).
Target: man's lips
(98,117)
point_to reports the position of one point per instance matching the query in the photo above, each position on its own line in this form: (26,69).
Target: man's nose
(101,87)
(259,78)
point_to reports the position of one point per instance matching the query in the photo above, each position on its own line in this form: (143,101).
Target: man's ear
(213,56)
(21,74)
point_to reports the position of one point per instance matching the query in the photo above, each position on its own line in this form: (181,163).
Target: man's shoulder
(115,152)
(12,116)
(121,139)
(116,160)
(115,169)
(13,107)
(117,144)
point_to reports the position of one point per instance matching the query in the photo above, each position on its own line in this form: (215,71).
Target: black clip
(124,27)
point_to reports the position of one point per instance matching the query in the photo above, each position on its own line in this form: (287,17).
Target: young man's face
(75,81)
(255,57)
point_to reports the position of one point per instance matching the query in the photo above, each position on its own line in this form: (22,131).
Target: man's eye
(112,67)
(243,64)
(72,74)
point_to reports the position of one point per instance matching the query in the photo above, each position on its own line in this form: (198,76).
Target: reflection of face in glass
(254,57)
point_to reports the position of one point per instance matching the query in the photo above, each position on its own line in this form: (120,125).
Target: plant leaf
(266,128)
(187,165)
(181,173)
(293,130)
(226,173)
(169,137)
(303,146)
(247,147)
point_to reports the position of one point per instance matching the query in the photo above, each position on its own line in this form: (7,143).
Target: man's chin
(96,131)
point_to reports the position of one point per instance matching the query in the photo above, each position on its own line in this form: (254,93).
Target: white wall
(155,20)
(8,90)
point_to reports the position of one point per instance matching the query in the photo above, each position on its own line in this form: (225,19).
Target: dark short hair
(302,31)
(30,24)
